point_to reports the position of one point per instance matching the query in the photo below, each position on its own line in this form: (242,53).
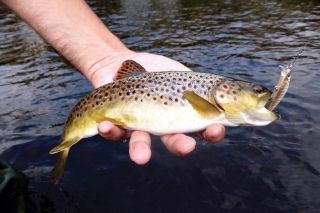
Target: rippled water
(255,169)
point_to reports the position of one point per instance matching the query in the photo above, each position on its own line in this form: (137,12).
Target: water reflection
(274,168)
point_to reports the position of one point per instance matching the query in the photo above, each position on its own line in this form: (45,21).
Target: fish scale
(163,103)
(164,88)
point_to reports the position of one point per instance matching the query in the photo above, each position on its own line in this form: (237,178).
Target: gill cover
(243,102)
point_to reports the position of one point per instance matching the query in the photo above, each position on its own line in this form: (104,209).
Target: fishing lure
(283,84)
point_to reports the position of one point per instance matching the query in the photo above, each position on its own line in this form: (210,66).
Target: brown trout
(164,103)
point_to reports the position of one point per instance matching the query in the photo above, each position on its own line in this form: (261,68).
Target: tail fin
(59,167)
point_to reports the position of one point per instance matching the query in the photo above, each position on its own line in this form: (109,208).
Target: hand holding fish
(89,45)
(138,101)
(140,142)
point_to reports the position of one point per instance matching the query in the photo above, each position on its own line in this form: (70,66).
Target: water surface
(255,169)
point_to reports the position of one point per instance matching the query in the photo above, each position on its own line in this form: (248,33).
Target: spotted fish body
(141,101)
(164,103)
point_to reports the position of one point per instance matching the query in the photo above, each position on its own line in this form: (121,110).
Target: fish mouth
(264,98)
(257,116)
(260,117)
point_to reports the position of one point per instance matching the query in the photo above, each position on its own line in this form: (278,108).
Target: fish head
(243,102)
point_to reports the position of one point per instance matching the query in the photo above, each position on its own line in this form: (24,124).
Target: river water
(275,168)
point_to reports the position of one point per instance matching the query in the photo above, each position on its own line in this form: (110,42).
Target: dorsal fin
(128,68)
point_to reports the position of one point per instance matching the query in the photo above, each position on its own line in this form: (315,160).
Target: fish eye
(257,88)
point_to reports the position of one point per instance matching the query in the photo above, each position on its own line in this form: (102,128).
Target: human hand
(140,142)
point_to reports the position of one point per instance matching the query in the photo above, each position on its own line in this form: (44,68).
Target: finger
(213,133)
(179,144)
(139,147)
(107,130)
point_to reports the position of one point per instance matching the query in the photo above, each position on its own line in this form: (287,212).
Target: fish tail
(59,167)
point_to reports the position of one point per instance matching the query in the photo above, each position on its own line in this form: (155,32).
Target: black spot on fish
(221,96)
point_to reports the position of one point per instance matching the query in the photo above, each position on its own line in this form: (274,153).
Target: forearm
(72,28)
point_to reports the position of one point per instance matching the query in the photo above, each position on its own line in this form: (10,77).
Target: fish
(164,103)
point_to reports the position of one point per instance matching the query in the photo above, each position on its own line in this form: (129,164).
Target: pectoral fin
(98,117)
(202,106)
(64,145)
